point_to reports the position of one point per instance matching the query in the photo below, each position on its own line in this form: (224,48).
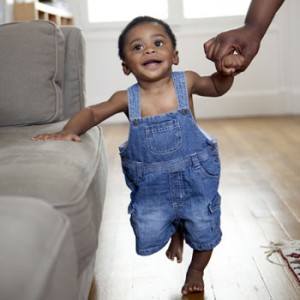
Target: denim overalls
(172,169)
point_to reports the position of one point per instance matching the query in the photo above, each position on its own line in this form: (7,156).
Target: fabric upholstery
(24,224)
(31,73)
(74,89)
(70,176)
(51,193)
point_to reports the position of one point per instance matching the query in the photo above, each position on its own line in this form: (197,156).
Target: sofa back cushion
(31,73)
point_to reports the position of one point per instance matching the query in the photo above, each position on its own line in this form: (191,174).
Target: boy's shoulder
(120,96)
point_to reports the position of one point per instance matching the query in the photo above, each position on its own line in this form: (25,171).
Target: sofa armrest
(74,83)
(37,257)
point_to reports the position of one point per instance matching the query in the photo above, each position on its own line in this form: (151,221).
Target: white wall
(6,13)
(291,52)
(2,11)
(270,86)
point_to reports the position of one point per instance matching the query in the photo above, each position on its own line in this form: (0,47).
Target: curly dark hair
(140,20)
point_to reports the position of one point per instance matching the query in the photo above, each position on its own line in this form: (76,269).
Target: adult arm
(246,39)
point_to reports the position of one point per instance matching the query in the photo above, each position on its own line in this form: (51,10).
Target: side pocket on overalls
(215,210)
(211,166)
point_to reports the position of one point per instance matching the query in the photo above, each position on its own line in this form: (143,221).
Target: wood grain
(260,187)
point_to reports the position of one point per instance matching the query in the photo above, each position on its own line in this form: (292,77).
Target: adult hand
(243,40)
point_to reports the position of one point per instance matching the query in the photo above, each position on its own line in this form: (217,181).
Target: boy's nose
(149,50)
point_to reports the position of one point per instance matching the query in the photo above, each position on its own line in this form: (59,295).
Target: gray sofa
(51,193)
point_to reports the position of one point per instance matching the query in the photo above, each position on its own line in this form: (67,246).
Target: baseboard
(294,102)
(243,104)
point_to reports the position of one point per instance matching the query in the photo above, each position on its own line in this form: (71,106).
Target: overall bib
(172,168)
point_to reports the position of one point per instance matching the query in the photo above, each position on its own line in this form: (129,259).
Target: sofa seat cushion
(70,176)
(32,58)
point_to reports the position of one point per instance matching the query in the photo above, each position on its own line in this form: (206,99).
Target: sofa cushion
(31,73)
(37,257)
(69,176)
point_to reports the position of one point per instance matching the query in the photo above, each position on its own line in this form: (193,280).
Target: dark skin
(149,56)
(244,40)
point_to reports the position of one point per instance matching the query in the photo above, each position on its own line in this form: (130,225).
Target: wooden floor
(260,189)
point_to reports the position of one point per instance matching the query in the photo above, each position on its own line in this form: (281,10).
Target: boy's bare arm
(217,84)
(79,123)
(88,118)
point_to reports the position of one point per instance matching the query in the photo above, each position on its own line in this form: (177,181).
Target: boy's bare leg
(194,277)
(175,249)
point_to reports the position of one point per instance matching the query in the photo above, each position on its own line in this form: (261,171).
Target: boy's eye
(138,47)
(158,43)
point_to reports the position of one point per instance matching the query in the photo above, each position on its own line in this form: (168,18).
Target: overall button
(135,122)
(213,148)
(184,111)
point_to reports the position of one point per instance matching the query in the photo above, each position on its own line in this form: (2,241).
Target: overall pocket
(164,137)
(210,167)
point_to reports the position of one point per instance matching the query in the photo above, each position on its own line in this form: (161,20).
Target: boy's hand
(231,64)
(59,136)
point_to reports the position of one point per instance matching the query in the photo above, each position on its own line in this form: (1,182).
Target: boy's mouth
(151,63)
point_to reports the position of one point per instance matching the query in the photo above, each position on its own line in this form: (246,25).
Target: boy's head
(141,20)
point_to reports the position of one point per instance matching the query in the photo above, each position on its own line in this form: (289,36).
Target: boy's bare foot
(175,249)
(193,282)
(194,277)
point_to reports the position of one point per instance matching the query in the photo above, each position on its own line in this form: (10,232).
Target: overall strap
(134,102)
(181,89)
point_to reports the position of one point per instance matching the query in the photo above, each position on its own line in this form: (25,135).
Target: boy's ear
(175,57)
(126,69)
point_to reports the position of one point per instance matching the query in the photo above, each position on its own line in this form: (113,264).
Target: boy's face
(148,51)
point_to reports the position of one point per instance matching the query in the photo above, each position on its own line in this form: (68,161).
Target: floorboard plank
(260,187)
